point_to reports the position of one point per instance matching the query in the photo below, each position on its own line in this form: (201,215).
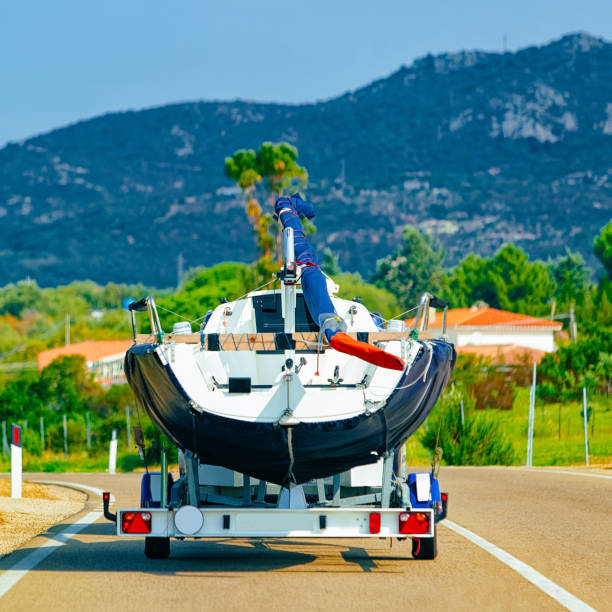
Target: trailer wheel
(157,548)
(425,548)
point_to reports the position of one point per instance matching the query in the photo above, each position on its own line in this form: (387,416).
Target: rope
(414,382)
(200,318)
(174,313)
(289,476)
(401,314)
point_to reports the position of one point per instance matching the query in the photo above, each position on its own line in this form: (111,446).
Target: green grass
(559,431)
(551,446)
(79,461)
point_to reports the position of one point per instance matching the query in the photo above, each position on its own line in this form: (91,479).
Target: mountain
(478,148)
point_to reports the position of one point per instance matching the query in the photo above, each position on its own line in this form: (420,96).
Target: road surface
(557,523)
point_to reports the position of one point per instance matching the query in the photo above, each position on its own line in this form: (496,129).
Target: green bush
(128,463)
(53,466)
(478,441)
(76,436)
(32,444)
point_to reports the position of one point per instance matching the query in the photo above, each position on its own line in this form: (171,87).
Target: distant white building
(501,335)
(104,358)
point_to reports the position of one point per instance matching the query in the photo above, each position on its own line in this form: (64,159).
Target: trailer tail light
(413,522)
(136,522)
(374,522)
(444,497)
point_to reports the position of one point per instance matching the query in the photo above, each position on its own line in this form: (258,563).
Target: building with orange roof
(102,357)
(498,334)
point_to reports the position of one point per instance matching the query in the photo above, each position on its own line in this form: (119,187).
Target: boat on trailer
(254,392)
(290,398)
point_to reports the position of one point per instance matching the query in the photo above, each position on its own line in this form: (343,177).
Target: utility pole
(572,317)
(67,329)
(5,446)
(65,423)
(585,418)
(129,429)
(180,265)
(88,430)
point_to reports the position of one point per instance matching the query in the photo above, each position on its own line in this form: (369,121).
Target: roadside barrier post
(65,437)
(5,446)
(586,424)
(531,418)
(16,461)
(462,414)
(112,453)
(42,432)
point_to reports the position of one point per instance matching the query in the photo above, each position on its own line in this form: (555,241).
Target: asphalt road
(559,524)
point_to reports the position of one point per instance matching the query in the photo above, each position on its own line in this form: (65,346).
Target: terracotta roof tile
(92,350)
(468,317)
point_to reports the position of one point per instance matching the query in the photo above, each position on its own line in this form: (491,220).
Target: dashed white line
(10,577)
(565,598)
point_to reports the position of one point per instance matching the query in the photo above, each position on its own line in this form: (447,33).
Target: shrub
(76,436)
(53,466)
(128,463)
(478,441)
(31,442)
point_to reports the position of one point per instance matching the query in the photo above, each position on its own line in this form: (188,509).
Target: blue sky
(67,60)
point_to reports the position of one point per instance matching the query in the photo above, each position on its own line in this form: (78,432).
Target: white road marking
(526,469)
(549,587)
(10,577)
(75,485)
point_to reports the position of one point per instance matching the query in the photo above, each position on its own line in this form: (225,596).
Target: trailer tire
(425,548)
(157,548)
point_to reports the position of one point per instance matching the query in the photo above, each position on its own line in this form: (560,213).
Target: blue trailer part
(425,493)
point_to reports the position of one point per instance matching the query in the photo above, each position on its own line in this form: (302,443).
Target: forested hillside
(477,148)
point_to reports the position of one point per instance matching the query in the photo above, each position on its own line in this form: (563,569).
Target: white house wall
(541,339)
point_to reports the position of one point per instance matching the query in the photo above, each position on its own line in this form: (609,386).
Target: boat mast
(289,281)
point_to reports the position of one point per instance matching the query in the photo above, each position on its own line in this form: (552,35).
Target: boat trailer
(379,500)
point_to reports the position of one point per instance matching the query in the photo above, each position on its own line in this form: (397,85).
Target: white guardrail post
(532,395)
(112,453)
(16,461)
(586,424)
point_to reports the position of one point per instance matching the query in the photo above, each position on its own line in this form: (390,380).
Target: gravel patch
(40,507)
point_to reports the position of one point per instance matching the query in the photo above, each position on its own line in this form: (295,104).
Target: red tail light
(374,522)
(444,497)
(413,522)
(136,522)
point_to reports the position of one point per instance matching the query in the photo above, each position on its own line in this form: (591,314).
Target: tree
(415,267)
(522,286)
(203,289)
(375,299)
(508,280)
(469,283)
(602,247)
(276,165)
(330,264)
(572,279)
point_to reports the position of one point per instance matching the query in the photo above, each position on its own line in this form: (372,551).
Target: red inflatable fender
(368,352)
